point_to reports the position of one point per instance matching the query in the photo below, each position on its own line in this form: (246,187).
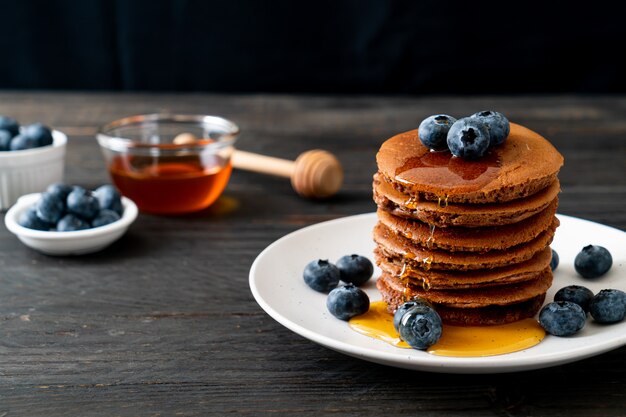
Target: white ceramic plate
(277,285)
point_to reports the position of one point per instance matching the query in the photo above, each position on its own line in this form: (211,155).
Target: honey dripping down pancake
(469,236)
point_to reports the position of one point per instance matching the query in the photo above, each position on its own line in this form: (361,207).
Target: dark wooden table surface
(163,323)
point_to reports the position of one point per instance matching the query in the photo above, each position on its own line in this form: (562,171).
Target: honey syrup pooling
(459,341)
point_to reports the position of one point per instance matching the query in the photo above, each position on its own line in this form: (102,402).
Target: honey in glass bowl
(162,176)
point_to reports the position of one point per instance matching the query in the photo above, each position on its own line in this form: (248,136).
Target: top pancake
(524,164)
(468,215)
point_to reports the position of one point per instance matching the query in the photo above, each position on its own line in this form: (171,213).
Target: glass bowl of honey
(169,164)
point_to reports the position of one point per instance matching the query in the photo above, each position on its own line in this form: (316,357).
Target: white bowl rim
(128,216)
(59,140)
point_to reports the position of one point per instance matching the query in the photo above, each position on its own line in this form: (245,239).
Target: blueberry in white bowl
(10,125)
(5,140)
(82,203)
(109,198)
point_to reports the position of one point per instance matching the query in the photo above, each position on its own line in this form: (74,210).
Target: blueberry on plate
(10,124)
(420,326)
(433,131)
(554,261)
(576,294)
(60,190)
(49,208)
(468,138)
(30,220)
(109,198)
(404,307)
(347,301)
(608,306)
(593,261)
(562,318)
(497,124)
(22,142)
(40,133)
(321,275)
(82,203)
(105,217)
(5,140)
(355,269)
(71,223)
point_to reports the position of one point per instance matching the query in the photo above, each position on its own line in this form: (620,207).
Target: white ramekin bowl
(31,170)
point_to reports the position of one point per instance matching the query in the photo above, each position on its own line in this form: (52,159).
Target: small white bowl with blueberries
(71,220)
(31,157)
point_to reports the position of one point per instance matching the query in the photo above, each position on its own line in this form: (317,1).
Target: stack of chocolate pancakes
(470,236)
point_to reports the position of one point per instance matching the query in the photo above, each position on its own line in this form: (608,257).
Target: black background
(321,46)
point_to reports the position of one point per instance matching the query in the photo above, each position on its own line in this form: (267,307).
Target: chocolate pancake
(468,215)
(510,302)
(474,239)
(473,298)
(394,245)
(523,165)
(455,280)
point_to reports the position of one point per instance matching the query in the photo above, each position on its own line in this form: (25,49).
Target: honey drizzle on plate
(475,341)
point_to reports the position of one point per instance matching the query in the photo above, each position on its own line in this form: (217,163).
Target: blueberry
(109,198)
(608,306)
(593,261)
(420,327)
(22,142)
(347,301)
(355,269)
(468,138)
(554,262)
(5,140)
(82,203)
(105,217)
(406,306)
(30,220)
(49,208)
(497,124)
(40,133)
(60,190)
(321,275)
(433,131)
(7,123)
(576,294)
(71,223)
(562,318)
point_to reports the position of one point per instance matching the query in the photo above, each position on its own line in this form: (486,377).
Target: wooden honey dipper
(314,174)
